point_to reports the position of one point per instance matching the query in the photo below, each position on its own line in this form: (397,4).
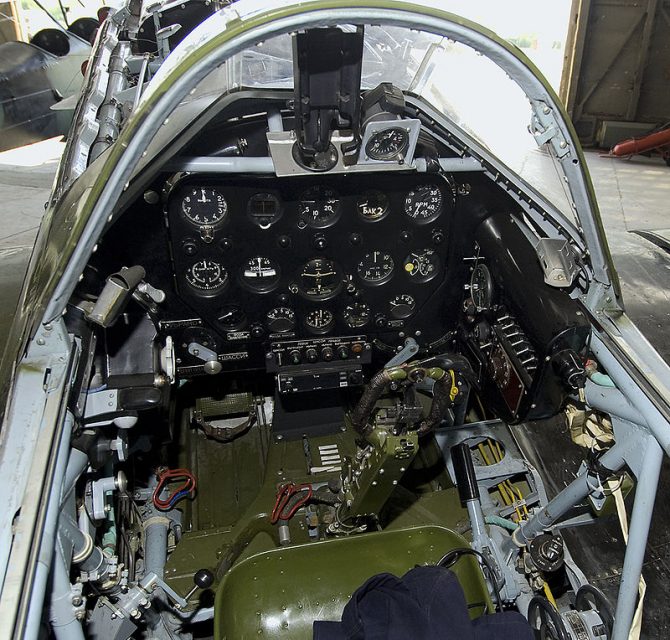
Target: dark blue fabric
(427,603)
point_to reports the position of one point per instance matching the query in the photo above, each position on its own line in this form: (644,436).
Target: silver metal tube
(573,494)
(643,508)
(61,613)
(46,552)
(452,165)
(218,164)
(156,533)
(612,401)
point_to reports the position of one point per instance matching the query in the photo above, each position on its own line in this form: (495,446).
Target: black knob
(257,331)
(311,355)
(327,354)
(381,321)
(284,242)
(203,578)
(189,247)
(226,244)
(438,236)
(295,357)
(320,242)
(355,238)
(405,236)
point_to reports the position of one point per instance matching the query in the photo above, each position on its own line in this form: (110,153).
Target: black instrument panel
(262,260)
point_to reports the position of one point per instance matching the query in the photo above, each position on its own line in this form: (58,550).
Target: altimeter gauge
(388,144)
(204,206)
(376,267)
(207,276)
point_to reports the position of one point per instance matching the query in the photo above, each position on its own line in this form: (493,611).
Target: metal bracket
(410,349)
(558,259)
(544,128)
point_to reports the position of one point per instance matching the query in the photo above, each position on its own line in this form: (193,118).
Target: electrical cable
(284,500)
(451,557)
(186,489)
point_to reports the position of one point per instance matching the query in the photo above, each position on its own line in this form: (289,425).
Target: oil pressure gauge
(402,306)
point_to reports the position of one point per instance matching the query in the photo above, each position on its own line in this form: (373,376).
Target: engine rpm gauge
(320,320)
(376,267)
(260,274)
(422,265)
(280,320)
(319,207)
(356,315)
(373,205)
(207,276)
(481,287)
(204,206)
(388,144)
(424,203)
(402,306)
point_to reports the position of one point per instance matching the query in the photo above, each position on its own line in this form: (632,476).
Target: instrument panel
(261,260)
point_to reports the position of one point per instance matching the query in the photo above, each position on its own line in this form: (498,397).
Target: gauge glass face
(424,203)
(356,315)
(320,278)
(388,144)
(264,209)
(319,207)
(481,287)
(376,267)
(260,274)
(207,276)
(280,320)
(204,206)
(402,306)
(231,317)
(373,205)
(422,265)
(320,320)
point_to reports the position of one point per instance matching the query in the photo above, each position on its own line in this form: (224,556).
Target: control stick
(202,579)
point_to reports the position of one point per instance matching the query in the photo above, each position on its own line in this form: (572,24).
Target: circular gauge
(388,144)
(356,315)
(231,317)
(319,207)
(264,209)
(207,276)
(320,278)
(280,320)
(373,205)
(375,267)
(260,274)
(204,206)
(402,306)
(320,320)
(481,287)
(424,203)
(422,265)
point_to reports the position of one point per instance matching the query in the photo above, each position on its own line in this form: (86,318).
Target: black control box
(320,363)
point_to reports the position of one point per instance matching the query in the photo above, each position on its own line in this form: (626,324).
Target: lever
(202,579)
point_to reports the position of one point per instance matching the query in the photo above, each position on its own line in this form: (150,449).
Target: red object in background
(656,141)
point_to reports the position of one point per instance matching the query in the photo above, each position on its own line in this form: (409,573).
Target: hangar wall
(617,67)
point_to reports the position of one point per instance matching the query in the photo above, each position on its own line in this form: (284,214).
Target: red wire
(284,495)
(171,475)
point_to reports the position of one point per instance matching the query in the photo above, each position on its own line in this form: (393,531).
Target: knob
(212,367)
(189,247)
(327,354)
(295,357)
(355,238)
(257,331)
(381,322)
(405,236)
(355,378)
(284,242)
(320,242)
(311,355)
(438,236)
(343,353)
(225,244)
(203,578)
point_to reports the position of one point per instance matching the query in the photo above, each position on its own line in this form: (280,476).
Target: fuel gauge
(402,306)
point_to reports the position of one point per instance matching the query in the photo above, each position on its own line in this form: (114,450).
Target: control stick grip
(464,470)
